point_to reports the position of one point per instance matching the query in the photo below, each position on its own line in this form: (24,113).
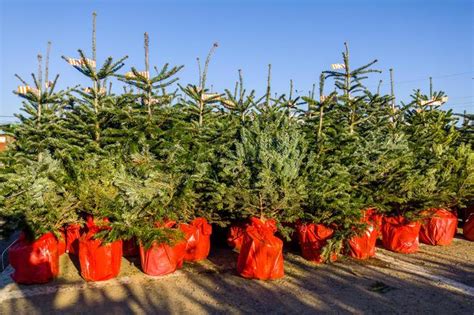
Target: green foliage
(263,175)
(147,155)
(145,196)
(35,199)
(434,139)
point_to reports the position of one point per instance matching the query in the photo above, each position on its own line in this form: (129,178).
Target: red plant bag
(162,259)
(130,247)
(400,235)
(440,228)
(363,246)
(159,259)
(73,233)
(468,228)
(312,238)
(99,261)
(198,239)
(34,262)
(261,254)
(61,242)
(180,250)
(235,235)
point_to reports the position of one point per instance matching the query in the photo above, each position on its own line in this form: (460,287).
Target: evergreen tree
(353,149)
(38,128)
(433,137)
(145,197)
(198,137)
(34,197)
(263,176)
(88,115)
(147,114)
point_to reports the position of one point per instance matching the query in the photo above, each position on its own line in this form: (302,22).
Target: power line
(427,78)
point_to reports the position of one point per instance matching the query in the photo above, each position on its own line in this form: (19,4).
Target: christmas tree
(34,197)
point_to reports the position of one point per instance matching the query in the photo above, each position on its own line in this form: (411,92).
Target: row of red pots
(38,261)
(261,252)
(261,256)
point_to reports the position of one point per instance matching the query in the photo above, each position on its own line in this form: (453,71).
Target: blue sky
(299,38)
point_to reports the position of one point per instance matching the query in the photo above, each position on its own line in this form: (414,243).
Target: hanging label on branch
(434,102)
(131,75)
(90,90)
(338,66)
(25,89)
(210,96)
(81,62)
(322,98)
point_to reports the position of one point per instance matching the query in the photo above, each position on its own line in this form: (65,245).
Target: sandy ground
(437,280)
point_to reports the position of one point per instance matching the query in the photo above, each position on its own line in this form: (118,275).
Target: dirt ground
(437,280)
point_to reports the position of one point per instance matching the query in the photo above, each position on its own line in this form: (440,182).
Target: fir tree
(147,113)
(263,176)
(433,137)
(88,115)
(38,128)
(145,197)
(467,129)
(34,197)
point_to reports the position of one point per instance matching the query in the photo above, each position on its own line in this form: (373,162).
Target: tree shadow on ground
(213,286)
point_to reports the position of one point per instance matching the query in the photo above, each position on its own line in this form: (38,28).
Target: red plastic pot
(400,235)
(73,233)
(363,246)
(261,254)
(61,242)
(159,259)
(130,248)
(372,216)
(99,261)
(235,235)
(468,228)
(312,238)
(178,250)
(34,262)
(440,228)
(198,239)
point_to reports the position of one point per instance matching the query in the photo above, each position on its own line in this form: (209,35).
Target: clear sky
(418,38)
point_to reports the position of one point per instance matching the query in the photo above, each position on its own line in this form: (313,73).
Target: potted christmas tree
(91,181)
(262,175)
(344,133)
(34,200)
(433,137)
(145,214)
